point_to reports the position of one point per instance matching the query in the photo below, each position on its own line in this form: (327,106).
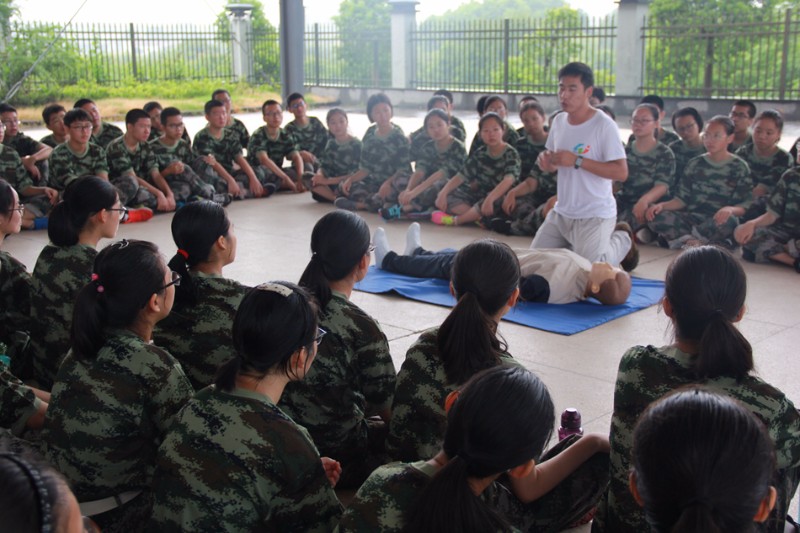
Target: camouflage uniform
(225,150)
(276,150)
(352,378)
(733,147)
(312,138)
(457,125)
(122,162)
(706,188)
(240,132)
(49,140)
(483,172)
(106,419)
(683,154)
(511,137)
(666,138)
(418,416)
(108,134)
(199,335)
(12,171)
(233,461)
(17,402)
(645,171)
(648,373)
(420,138)
(528,214)
(60,272)
(784,204)
(15,308)
(155,134)
(765,171)
(25,146)
(186,185)
(382,158)
(337,160)
(66,166)
(431,160)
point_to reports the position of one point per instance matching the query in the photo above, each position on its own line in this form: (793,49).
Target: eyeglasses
(20,208)
(297,105)
(86,127)
(320,333)
(178,125)
(11,122)
(122,211)
(641,121)
(176,280)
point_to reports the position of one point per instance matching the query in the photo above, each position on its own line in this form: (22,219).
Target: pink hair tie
(100,288)
(184,253)
(95,277)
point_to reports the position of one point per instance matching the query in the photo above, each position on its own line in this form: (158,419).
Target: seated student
(598,97)
(495,104)
(686,474)
(688,124)
(130,155)
(526,205)
(78,157)
(274,478)
(90,211)
(441,158)
(419,138)
(33,153)
(714,191)
(175,158)
(664,136)
(35,498)
(231,123)
(198,330)
(338,160)
(774,235)
(269,146)
(485,283)
(704,297)
(116,393)
(353,376)
(460,488)
(767,161)
(53,118)
(520,104)
(742,114)
(102,132)
(153,110)
(455,122)
(384,168)
(309,133)
(217,149)
(556,276)
(651,169)
(38,199)
(23,407)
(477,190)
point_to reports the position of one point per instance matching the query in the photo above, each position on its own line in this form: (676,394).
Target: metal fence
(706,56)
(358,58)
(512,55)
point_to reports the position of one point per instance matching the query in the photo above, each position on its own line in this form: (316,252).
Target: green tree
(365,49)
(500,9)
(263,40)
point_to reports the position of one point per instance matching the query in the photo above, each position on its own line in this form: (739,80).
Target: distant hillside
(499,9)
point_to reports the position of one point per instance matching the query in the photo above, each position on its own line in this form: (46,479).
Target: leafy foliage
(365,47)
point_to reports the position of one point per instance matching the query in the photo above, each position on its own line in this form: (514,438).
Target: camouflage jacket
(224,149)
(17,402)
(312,137)
(15,298)
(338,160)
(49,140)
(382,157)
(765,171)
(12,171)
(199,336)
(165,155)
(122,161)
(706,187)
(66,166)
(23,144)
(683,154)
(420,138)
(352,378)
(276,149)
(457,125)
(450,161)
(108,415)
(785,203)
(109,133)
(240,132)
(233,461)
(510,137)
(646,374)
(645,170)
(418,416)
(482,172)
(546,181)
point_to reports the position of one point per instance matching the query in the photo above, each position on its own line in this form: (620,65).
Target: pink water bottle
(570,423)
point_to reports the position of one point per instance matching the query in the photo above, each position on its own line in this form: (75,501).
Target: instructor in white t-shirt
(584,147)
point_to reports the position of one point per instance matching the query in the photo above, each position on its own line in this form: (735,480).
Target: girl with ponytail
(353,378)
(704,297)
(198,330)
(233,461)
(116,393)
(90,211)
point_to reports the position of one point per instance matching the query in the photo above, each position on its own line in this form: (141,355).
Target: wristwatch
(579,161)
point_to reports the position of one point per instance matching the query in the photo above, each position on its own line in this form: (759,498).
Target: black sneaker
(501,225)
(631,260)
(345,203)
(222,199)
(269,189)
(797,265)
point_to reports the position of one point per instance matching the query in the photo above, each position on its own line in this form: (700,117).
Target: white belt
(97,507)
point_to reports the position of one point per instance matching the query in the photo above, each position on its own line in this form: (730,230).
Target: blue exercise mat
(566,319)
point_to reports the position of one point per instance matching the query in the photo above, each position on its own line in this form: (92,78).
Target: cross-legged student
(420,137)
(495,104)
(742,114)
(175,159)
(33,153)
(53,118)
(153,110)
(269,146)
(309,132)
(102,132)
(584,147)
(338,160)
(232,123)
(130,155)
(688,123)
(217,149)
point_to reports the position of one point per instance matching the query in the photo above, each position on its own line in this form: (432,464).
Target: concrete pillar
(630,47)
(292,46)
(241,43)
(404,21)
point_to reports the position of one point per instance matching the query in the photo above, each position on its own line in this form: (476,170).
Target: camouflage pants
(568,502)
(366,191)
(626,215)
(265,176)
(769,241)
(132,517)
(132,194)
(39,205)
(426,199)
(188,184)
(529,224)
(210,176)
(673,225)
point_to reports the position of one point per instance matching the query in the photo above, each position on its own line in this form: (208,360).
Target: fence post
(133,52)
(708,74)
(630,48)
(785,55)
(240,40)
(404,20)
(506,52)
(292,46)
(316,52)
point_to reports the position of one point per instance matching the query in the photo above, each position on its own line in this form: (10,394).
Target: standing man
(584,148)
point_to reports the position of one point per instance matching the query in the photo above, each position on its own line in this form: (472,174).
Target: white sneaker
(413,239)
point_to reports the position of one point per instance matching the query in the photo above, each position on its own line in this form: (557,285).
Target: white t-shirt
(582,194)
(566,272)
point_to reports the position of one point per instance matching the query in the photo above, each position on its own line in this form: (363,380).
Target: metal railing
(360,58)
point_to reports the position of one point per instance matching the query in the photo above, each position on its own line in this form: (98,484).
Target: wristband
(578,161)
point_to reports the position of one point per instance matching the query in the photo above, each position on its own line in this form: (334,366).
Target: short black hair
(135,115)
(599,93)
(7,108)
(268,103)
(51,110)
(444,92)
(149,106)
(83,101)
(582,70)
(211,104)
(76,115)
(292,97)
(751,107)
(653,99)
(168,112)
(219,92)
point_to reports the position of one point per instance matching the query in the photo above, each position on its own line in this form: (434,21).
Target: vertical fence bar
(787,25)
(316,51)
(506,25)
(133,52)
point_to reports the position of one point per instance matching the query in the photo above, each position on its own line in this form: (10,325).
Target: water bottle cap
(571,418)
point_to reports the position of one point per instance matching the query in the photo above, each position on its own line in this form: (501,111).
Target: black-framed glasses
(122,211)
(20,208)
(320,333)
(371,248)
(176,280)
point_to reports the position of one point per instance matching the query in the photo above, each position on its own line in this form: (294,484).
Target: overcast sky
(205,11)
